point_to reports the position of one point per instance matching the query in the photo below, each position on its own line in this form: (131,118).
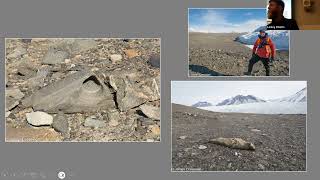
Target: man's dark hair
(279,3)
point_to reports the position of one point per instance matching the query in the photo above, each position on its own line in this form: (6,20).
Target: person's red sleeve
(273,49)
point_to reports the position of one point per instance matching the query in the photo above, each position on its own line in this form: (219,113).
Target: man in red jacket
(263,50)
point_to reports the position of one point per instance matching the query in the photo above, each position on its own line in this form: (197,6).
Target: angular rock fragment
(60,124)
(13,97)
(27,68)
(133,89)
(14,93)
(154,60)
(17,53)
(55,56)
(11,103)
(234,143)
(151,111)
(114,117)
(79,92)
(127,96)
(151,88)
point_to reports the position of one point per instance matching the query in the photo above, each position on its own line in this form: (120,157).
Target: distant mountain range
(240,99)
(300,96)
(202,104)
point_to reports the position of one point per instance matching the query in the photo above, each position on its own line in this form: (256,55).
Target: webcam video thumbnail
(293,14)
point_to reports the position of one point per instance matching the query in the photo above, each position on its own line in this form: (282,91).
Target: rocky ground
(218,54)
(83,90)
(279,140)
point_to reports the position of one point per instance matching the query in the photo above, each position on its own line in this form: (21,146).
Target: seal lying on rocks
(234,143)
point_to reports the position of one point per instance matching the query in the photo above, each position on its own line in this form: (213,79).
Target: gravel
(282,149)
(217,54)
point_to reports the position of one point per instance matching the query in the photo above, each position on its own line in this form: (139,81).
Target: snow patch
(300,96)
(263,108)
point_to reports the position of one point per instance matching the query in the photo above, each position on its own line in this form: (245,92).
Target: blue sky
(226,20)
(190,92)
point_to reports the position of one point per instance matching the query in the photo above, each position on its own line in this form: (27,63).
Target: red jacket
(266,51)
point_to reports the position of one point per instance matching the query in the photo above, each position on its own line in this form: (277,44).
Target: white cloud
(214,22)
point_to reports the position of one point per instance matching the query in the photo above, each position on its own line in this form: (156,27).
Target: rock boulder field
(83,89)
(220,54)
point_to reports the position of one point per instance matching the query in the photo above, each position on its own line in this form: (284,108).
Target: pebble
(261,166)
(113,123)
(155,129)
(114,117)
(131,53)
(115,58)
(39,118)
(255,130)
(202,147)
(67,61)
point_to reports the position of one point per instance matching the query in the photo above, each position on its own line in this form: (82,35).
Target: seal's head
(250,146)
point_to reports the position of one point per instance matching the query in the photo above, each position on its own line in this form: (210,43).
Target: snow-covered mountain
(240,99)
(202,104)
(279,37)
(294,104)
(300,96)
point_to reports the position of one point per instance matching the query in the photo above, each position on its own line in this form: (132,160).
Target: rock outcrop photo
(222,42)
(258,132)
(80,90)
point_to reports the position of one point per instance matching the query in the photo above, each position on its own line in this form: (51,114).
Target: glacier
(279,37)
(263,108)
